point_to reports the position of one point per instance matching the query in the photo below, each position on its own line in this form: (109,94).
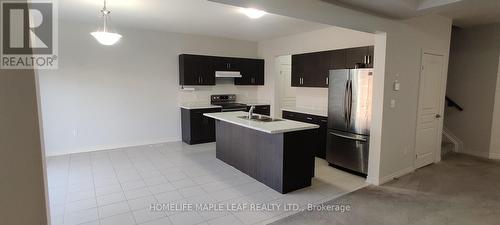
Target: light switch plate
(397,86)
(393,103)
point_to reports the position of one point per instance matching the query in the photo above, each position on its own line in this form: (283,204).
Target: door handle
(326,80)
(438,116)
(345,100)
(350,103)
(350,138)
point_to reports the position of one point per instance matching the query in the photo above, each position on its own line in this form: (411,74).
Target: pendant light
(104,35)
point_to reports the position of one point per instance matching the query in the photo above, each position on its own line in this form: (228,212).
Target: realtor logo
(29,38)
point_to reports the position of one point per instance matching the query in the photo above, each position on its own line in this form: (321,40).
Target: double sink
(260,118)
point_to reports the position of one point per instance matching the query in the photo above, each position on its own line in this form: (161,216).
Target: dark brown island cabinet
(282,161)
(319,141)
(313,69)
(199,70)
(196,128)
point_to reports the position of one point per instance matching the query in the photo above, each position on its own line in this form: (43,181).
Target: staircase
(450,142)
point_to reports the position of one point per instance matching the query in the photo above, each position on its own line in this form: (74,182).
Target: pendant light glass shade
(103,35)
(106,38)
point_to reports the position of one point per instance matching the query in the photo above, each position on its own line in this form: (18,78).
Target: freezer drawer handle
(352,138)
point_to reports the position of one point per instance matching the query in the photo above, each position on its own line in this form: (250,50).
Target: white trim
(457,143)
(495,155)
(113,146)
(475,153)
(396,174)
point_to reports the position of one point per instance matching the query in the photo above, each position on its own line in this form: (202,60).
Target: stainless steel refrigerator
(349,118)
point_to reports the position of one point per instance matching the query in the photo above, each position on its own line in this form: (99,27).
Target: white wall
(104,97)
(495,125)
(314,41)
(392,150)
(22,187)
(472,83)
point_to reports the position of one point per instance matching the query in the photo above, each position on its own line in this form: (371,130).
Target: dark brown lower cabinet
(261,109)
(196,128)
(319,141)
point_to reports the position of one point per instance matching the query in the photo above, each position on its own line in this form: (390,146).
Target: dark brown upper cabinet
(298,69)
(361,55)
(313,69)
(200,69)
(196,70)
(371,56)
(252,72)
(227,64)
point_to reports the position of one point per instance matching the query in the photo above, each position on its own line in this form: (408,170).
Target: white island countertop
(274,127)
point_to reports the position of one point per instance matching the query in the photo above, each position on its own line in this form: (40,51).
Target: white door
(430,104)
(288,93)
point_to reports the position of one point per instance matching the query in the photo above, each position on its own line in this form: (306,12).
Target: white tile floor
(116,187)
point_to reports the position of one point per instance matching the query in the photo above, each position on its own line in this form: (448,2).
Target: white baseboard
(485,155)
(396,174)
(109,147)
(495,155)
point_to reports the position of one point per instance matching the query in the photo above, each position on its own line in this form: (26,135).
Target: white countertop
(274,127)
(198,105)
(316,112)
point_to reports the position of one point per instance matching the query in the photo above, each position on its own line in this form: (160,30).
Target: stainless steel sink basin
(260,118)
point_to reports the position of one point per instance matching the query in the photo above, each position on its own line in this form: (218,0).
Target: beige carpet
(460,190)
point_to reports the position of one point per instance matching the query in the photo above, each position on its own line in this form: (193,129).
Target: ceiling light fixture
(104,35)
(253,13)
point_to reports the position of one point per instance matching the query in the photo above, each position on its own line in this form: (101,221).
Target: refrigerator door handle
(350,103)
(350,138)
(346,90)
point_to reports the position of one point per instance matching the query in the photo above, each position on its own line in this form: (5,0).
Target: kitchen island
(275,152)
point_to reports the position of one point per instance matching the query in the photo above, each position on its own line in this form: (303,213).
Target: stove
(227,102)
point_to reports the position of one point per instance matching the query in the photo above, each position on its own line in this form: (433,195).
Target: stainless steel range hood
(228,74)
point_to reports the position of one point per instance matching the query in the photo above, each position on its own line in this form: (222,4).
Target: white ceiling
(187,16)
(463,12)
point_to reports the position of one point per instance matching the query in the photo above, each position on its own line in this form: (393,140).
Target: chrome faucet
(250,112)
